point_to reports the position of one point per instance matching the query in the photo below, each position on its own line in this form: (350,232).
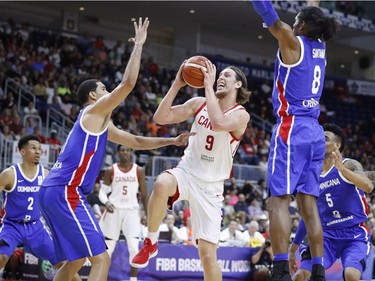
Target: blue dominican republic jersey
(80,160)
(298,87)
(21,203)
(340,203)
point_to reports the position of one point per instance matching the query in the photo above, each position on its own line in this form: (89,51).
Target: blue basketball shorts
(350,244)
(75,229)
(32,235)
(296,157)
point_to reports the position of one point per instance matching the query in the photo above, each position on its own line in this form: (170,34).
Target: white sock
(153,236)
(133,279)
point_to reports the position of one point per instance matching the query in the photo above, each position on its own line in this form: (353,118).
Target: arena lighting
(260,37)
(342,65)
(356,52)
(132,19)
(81,9)
(192,11)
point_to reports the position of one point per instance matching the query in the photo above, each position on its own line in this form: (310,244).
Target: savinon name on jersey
(318,53)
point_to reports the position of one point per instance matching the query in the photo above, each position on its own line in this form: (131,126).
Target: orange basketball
(191,72)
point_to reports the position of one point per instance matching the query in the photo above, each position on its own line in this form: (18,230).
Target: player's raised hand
(140,31)
(182,139)
(338,159)
(209,74)
(179,80)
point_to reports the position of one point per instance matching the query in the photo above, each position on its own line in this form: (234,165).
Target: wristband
(265,9)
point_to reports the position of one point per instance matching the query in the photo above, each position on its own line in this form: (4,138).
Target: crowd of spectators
(52,66)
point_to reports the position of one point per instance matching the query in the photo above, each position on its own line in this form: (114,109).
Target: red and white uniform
(124,189)
(207,162)
(209,155)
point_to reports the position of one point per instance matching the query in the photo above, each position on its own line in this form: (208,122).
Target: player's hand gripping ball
(192,72)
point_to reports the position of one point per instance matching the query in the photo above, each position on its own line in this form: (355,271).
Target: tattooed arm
(353,171)
(370,175)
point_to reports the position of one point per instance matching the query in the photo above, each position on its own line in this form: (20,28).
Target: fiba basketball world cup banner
(180,262)
(42,270)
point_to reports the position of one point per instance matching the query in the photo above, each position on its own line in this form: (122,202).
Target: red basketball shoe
(147,251)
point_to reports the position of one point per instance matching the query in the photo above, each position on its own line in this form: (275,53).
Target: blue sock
(280,257)
(317,260)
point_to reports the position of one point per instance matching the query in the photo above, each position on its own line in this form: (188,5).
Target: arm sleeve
(103,193)
(301,233)
(265,9)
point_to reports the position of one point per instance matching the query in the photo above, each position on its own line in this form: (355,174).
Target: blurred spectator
(261,262)
(249,190)
(37,132)
(228,210)
(54,141)
(252,236)
(30,125)
(241,208)
(17,124)
(6,118)
(40,90)
(6,134)
(94,201)
(233,197)
(168,232)
(231,236)
(64,92)
(229,185)
(263,223)
(186,233)
(180,219)
(116,54)
(30,109)
(254,210)
(263,162)
(8,101)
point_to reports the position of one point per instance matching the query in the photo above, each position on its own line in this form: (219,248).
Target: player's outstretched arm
(288,42)
(353,171)
(144,143)
(106,104)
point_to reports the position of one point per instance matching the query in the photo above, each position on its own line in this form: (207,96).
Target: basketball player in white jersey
(219,123)
(124,179)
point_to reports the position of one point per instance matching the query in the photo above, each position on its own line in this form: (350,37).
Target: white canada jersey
(124,187)
(209,154)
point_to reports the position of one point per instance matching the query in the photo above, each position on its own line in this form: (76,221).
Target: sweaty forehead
(228,71)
